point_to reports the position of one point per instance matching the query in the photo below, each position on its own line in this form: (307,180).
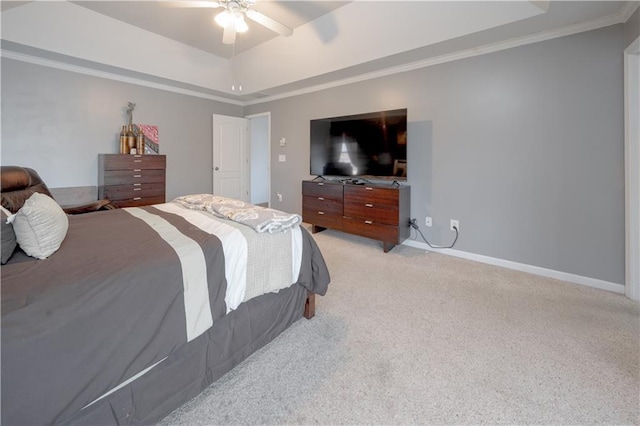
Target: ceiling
(332,43)
(195,26)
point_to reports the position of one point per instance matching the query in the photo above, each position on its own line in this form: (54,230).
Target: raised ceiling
(195,26)
(333,42)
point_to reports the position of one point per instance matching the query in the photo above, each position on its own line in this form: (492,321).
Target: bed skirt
(197,364)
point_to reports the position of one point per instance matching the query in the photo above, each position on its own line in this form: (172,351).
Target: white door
(230,157)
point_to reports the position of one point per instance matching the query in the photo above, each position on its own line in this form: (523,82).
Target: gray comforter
(108,305)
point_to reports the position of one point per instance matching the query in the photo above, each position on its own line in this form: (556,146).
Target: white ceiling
(195,26)
(333,42)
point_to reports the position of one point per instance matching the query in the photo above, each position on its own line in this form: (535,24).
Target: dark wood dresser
(377,211)
(132,180)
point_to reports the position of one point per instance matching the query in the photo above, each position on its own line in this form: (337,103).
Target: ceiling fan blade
(229,34)
(189,3)
(272,24)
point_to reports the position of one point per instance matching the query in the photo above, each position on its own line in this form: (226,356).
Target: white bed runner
(194,272)
(234,246)
(242,286)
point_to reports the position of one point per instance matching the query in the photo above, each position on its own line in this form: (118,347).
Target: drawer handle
(368,188)
(137,176)
(321,198)
(368,222)
(137,189)
(137,170)
(137,184)
(137,161)
(137,198)
(320,212)
(368,205)
(320,184)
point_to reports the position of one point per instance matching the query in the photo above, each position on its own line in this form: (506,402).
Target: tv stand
(375,211)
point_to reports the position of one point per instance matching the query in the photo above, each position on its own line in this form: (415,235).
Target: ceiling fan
(232,17)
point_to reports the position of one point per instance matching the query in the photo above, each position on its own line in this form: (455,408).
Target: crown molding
(627,10)
(621,16)
(605,21)
(112,76)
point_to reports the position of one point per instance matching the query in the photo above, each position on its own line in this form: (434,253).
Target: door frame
(632,168)
(250,144)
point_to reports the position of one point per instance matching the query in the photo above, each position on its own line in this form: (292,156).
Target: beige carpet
(410,337)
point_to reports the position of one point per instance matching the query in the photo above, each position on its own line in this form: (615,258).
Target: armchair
(19,183)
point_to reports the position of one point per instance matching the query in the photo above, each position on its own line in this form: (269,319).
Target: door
(230,157)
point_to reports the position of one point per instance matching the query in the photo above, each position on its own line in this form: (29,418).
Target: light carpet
(410,337)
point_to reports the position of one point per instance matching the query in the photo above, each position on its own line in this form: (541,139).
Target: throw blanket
(260,219)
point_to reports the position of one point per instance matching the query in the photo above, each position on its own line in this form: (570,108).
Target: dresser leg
(316,228)
(387,246)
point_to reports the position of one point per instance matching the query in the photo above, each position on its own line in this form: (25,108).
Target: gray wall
(523,146)
(57,122)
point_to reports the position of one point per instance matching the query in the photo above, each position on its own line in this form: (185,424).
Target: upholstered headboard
(18,184)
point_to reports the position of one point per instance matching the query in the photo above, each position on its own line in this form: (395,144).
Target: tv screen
(363,145)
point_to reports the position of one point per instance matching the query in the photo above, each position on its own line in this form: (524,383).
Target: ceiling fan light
(223,18)
(241,25)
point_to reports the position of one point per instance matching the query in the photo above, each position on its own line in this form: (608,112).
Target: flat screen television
(371,145)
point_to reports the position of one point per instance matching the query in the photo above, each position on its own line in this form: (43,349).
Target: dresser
(377,211)
(132,180)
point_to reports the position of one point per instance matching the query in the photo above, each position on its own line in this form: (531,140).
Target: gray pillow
(8,237)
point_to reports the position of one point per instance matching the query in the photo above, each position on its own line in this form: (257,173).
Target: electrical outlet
(454,223)
(428,221)
(279,195)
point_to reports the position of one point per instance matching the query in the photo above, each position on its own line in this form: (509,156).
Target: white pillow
(40,226)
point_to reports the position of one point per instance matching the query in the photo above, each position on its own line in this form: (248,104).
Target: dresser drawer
(139,201)
(121,192)
(323,189)
(322,218)
(371,211)
(364,194)
(371,229)
(132,162)
(322,204)
(124,177)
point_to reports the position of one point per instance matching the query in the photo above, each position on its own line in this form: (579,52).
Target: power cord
(414,225)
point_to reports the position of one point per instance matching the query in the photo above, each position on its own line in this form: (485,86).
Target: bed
(139,310)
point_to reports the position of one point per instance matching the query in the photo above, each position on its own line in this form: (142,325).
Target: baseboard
(549,273)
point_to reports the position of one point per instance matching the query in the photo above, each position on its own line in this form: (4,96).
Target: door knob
(216,168)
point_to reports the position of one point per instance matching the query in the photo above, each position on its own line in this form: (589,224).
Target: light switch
(282,158)
(283,142)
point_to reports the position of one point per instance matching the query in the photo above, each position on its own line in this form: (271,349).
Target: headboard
(18,184)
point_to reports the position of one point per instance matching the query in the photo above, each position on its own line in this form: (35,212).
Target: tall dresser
(132,180)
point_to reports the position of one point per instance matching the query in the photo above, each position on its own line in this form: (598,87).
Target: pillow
(8,237)
(40,226)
